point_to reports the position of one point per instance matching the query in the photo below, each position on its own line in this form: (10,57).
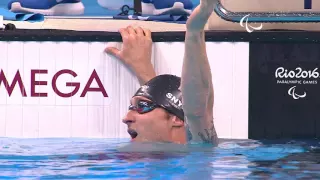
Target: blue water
(92,8)
(120,159)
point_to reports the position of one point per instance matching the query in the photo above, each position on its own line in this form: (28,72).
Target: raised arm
(196,85)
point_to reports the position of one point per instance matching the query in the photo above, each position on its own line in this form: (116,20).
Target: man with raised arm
(167,108)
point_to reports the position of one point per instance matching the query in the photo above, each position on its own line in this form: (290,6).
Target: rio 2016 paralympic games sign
(299,11)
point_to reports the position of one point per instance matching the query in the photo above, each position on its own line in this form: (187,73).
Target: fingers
(147,33)
(139,31)
(131,30)
(124,34)
(114,52)
(136,31)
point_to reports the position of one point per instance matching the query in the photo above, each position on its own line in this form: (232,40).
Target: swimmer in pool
(167,108)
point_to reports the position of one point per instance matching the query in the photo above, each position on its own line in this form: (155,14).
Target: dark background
(273,113)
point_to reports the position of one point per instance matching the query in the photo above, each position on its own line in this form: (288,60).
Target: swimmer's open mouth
(132,133)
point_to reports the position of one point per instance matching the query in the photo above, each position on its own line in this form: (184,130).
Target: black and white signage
(284,100)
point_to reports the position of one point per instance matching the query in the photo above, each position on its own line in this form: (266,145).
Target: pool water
(120,159)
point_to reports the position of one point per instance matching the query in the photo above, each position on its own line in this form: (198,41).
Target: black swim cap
(164,91)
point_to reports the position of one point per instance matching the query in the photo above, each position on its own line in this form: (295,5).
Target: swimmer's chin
(144,140)
(139,139)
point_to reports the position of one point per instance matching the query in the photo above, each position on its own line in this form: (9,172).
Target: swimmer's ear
(176,122)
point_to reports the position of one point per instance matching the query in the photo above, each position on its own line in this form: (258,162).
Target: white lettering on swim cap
(174,99)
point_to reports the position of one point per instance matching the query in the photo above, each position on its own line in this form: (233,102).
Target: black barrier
(173,36)
(284,87)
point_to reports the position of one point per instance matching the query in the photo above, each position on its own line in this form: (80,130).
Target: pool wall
(64,111)
(250,101)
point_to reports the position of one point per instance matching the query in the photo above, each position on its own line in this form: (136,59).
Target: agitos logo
(17,80)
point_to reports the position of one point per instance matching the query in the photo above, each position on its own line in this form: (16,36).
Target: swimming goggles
(142,106)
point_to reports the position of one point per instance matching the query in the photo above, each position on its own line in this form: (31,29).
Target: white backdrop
(95,115)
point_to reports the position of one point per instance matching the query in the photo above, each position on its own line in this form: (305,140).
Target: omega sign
(17,82)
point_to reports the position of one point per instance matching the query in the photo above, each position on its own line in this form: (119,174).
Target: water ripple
(118,159)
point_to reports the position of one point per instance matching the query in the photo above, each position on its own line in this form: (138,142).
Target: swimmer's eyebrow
(146,100)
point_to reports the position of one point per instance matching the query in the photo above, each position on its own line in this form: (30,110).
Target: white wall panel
(95,115)
(221,62)
(3,92)
(240,81)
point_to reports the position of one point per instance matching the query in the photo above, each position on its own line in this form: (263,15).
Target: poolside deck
(112,25)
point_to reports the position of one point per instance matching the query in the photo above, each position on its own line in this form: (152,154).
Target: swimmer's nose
(128,119)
